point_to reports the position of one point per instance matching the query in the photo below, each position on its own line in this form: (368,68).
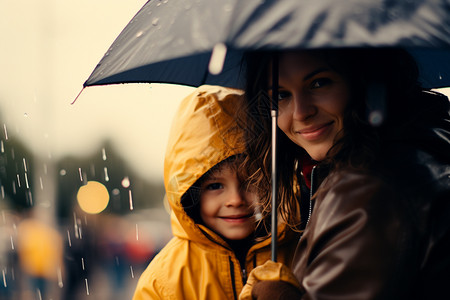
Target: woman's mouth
(315,132)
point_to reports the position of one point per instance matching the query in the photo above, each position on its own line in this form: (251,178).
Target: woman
(369,150)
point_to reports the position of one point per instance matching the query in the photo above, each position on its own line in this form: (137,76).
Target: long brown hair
(381,79)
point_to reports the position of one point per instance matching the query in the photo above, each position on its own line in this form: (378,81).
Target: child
(213,220)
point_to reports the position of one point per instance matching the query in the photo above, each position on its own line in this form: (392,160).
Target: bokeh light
(93,197)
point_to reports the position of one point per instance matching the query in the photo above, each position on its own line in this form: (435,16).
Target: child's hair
(191,198)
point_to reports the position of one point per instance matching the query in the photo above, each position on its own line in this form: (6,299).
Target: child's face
(225,206)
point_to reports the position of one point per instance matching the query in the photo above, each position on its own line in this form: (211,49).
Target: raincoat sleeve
(148,288)
(266,282)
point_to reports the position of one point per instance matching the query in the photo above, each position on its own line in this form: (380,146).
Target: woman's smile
(314,133)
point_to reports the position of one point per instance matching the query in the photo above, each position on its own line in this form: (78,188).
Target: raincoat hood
(203,133)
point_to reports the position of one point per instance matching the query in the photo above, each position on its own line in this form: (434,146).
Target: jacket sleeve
(356,242)
(149,288)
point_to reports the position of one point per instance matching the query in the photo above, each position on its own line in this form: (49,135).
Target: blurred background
(82,207)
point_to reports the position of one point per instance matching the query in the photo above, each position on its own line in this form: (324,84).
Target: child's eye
(320,82)
(214,186)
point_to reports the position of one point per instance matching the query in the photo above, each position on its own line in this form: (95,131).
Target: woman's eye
(214,186)
(282,95)
(320,82)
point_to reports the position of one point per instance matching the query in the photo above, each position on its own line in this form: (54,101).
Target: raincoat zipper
(232,277)
(311,195)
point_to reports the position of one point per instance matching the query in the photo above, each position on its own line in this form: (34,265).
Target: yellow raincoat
(197,263)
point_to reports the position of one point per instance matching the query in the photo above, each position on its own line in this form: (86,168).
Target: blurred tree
(108,168)
(16,180)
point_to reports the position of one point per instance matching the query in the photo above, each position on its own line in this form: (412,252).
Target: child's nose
(236,198)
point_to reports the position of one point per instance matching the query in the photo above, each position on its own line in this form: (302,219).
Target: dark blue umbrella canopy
(171,41)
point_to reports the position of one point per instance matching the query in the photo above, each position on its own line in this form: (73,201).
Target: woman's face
(312,101)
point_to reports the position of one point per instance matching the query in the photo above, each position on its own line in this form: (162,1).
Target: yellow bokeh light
(93,197)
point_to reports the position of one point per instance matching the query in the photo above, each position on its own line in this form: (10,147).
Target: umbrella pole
(274,115)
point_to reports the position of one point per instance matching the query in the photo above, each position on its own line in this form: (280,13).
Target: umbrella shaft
(274,186)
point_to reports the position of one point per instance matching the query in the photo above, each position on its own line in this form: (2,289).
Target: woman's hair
(380,81)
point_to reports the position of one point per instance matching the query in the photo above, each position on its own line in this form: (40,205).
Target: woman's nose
(303,107)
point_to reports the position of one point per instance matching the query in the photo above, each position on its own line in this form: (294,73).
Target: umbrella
(201,42)
(171,41)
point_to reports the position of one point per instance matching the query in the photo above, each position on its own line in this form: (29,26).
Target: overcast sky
(48,49)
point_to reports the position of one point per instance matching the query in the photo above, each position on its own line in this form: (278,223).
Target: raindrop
(81,174)
(440,76)
(60,282)
(18,180)
(105,169)
(14,187)
(115,192)
(87,286)
(30,198)
(165,1)
(82,263)
(12,242)
(217,58)
(24,164)
(68,238)
(159,3)
(6,131)
(103,154)
(41,183)
(2,146)
(25,115)
(117,260)
(227,8)
(376,118)
(39,294)
(131,270)
(137,233)
(126,182)
(62,172)
(131,200)
(26,181)
(4,278)
(155,21)
(3,191)
(139,34)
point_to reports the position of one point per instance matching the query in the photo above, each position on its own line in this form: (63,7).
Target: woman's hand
(271,281)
